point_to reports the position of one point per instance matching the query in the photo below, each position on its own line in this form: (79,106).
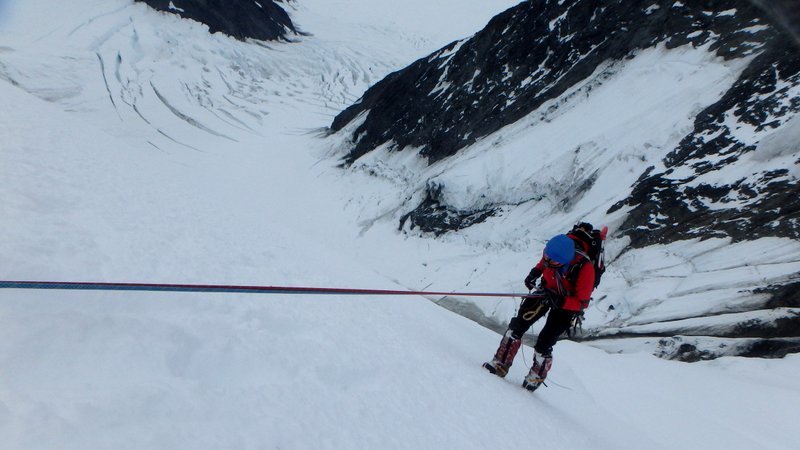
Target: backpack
(595,240)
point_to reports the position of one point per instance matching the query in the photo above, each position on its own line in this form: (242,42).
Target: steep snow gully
(137,146)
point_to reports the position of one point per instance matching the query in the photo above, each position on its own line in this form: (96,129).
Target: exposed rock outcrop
(242,19)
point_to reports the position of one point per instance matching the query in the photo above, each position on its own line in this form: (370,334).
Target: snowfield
(136,147)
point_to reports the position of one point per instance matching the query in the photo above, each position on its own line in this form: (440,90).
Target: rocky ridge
(242,19)
(734,175)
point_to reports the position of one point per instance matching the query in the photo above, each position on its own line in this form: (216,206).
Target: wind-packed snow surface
(137,147)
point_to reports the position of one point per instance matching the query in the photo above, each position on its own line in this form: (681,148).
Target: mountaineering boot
(538,373)
(504,356)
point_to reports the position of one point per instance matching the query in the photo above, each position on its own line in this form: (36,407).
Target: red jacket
(576,298)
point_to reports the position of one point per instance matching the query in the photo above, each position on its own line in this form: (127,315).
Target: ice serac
(263,19)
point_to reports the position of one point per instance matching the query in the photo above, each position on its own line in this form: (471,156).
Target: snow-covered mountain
(676,121)
(136,146)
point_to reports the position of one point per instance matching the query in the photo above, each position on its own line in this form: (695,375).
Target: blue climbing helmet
(560,249)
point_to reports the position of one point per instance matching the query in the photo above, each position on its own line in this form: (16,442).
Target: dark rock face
(432,216)
(762,348)
(526,56)
(537,50)
(785,296)
(762,204)
(242,19)
(785,13)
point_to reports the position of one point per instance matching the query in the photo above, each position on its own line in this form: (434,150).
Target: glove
(530,280)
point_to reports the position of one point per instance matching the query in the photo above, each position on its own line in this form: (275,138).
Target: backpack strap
(586,239)
(575,268)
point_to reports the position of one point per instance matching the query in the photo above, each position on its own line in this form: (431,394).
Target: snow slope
(592,154)
(136,147)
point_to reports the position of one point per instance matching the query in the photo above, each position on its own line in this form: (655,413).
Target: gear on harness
(576,324)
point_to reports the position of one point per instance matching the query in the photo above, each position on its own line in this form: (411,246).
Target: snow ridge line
(105,286)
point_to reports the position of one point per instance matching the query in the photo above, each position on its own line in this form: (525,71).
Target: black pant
(534,308)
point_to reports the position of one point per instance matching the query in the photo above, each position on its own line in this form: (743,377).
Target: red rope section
(105,286)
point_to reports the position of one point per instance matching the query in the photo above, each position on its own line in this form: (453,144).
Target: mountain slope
(138,147)
(736,174)
(671,121)
(166,370)
(532,53)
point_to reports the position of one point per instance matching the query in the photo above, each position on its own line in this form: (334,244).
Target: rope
(104,286)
